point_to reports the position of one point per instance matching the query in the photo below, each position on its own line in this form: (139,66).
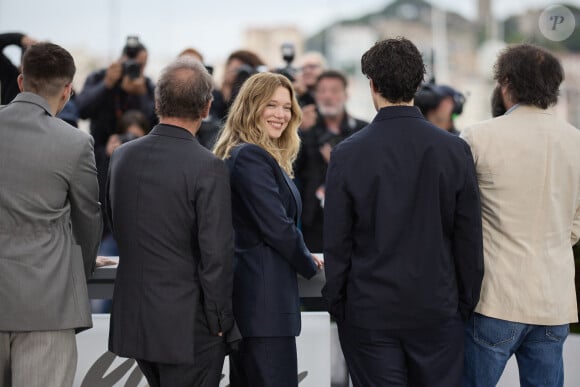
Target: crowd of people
(120,97)
(445,252)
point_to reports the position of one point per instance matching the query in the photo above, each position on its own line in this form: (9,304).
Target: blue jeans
(490,342)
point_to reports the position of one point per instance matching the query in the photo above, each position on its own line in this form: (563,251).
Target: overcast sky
(212,26)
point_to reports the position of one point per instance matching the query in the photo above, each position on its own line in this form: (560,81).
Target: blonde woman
(259,144)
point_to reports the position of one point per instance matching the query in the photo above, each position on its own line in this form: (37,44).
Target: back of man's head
(183,90)
(532,75)
(46,68)
(396,68)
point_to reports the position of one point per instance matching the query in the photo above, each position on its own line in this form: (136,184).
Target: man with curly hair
(528,167)
(402,235)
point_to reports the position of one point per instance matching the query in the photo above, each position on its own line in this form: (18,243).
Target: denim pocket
(493,332)
(557,332)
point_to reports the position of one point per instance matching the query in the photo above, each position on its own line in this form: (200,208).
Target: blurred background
(459,40)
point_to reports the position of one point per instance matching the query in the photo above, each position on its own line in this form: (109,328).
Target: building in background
(458,51)
(469,49)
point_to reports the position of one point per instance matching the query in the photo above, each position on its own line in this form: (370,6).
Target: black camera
(288,53)
(430,95)
(243,72)
(133,47)
(132,69)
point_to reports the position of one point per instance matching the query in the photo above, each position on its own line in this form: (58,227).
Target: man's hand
(113,74)
(105,261)
(113,143)
(325,151)
(27,41)
(319,262)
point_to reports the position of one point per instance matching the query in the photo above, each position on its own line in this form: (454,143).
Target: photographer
(240,65)
(110,92)
(312,64)
(440,105)
(8,70)
(333,124)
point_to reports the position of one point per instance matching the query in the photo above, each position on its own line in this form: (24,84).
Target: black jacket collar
(172,131)
(390,112)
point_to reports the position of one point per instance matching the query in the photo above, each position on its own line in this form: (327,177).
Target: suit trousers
(205,372)
(38,359)
(265,362)
(431,355)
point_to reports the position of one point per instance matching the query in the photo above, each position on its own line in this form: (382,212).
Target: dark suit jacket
(168,200)
(269,248)
(402,236)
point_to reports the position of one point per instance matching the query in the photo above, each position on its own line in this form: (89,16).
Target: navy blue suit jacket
(269,248)
(402,226)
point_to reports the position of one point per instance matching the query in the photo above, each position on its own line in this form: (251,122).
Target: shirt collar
(517,105)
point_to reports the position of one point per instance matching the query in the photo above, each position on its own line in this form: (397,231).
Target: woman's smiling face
(277,113)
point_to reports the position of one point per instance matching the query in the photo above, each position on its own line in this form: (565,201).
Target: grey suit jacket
(50,219)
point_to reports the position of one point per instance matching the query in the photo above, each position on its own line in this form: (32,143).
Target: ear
(205,111)
(20,81)
(66,93)
(373,86)
(505,92)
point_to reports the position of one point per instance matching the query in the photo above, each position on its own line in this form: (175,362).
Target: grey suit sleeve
(215,238)
(85,207)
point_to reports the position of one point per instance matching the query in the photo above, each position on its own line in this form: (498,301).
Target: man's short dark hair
(531,74)
(46,68)
(396,68)
(184,89)
(332,74)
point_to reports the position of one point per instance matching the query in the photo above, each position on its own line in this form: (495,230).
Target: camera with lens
(430,95)
(288,53)
(132,69)
(133,47)
(243,72)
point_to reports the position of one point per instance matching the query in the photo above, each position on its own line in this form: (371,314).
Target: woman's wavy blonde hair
(244,121)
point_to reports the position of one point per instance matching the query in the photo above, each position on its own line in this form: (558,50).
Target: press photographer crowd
(445,250)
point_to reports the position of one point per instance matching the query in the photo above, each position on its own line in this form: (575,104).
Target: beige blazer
(528,169)
(50,219)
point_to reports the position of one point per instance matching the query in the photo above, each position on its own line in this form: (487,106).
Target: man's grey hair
(183,89)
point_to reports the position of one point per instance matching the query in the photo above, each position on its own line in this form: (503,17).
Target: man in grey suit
(50,225)
(168,200)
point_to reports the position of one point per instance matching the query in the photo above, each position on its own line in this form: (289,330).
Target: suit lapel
(289,183)
(295,195)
